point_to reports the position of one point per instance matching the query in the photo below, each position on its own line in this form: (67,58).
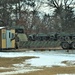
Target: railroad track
(31,49)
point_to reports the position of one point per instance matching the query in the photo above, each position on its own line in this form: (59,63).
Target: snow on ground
(50,59)
(46,59)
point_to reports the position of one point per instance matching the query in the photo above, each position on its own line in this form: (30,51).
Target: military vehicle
(67,40)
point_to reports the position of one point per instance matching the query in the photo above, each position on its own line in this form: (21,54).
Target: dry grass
(8,62)
(52,71)
(5,70)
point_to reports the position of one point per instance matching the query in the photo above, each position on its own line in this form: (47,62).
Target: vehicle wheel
(65,45)
(66,38)
(73,45)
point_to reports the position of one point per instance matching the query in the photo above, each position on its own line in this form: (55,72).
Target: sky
(50,10)
(45,8)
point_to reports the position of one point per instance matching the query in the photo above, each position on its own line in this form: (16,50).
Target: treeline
(26,13)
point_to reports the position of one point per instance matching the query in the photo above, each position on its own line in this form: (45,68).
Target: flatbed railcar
(66,41)
(45,41)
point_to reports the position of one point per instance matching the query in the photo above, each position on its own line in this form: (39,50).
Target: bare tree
(63,9)
(32,16)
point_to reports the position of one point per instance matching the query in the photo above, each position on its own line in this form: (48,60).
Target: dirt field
(53,71)
(7,62)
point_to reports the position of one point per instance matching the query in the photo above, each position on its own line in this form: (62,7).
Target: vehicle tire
(65,45)
(73,45)
(66,38)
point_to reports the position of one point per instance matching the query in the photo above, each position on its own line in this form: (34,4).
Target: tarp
(22,37)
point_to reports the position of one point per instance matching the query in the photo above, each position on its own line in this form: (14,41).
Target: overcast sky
(49,10)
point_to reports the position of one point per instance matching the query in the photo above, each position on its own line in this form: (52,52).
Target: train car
(7,40)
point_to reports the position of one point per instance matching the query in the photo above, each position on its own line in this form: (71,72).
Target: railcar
(7,40)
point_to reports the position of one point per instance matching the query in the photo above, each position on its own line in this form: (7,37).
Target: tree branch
(65,2)
(70,2)
(54,3)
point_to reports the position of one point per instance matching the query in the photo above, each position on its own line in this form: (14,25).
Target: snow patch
(4,68)
(46,59)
